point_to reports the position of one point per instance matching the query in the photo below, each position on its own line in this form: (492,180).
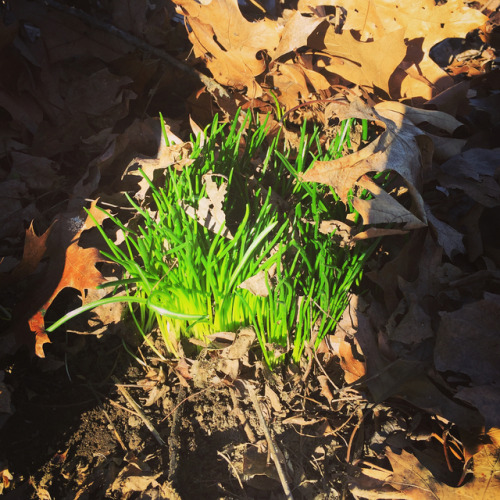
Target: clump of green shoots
(183,274)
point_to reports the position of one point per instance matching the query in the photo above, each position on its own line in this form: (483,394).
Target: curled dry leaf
(411,480)
(383,208)
(210,213)
(402,148)
(69,266)
(229,43)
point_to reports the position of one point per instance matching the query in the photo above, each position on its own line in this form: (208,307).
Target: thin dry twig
(139,411)
(108,418)
(337,389)
(273,448)
(210,83)
(235,471)
(174,442)
(241,416)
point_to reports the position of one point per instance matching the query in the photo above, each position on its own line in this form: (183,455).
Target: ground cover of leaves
(402,400)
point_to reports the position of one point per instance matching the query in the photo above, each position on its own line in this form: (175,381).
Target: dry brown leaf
(210,213)
(486,398)
(38,173)
(229,43)
(69,266)
(467,341)
(33,252)
(424,24)
(296,31)
(415,326)
(417,116)
(301,421)
(291,82)
(370,64)
(411,480)
(353,368)
(450,239)
(475,172)
(383,208)
(402,148)
(257,284)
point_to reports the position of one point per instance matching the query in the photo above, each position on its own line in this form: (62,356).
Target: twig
(108,418)
(174,442)
(273,448)
(337,389)
(235,471)
(210,83)
(241,416)
(138,409)
(361,417)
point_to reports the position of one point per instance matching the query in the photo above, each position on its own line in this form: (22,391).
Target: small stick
(138,409)
(235,471)
(174,442)
(108,418)
(241,416)
(273,448)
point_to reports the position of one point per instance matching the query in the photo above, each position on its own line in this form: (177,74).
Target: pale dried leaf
(229,43)
(402,148)
(450,239)
(257,284)
(383,208)
(368,64)
(295,33)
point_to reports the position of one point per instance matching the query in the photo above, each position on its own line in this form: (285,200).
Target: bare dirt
(81,439)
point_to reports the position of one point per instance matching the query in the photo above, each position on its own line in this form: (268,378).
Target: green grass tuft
(185,277)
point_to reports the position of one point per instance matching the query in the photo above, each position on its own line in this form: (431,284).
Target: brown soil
(81,439)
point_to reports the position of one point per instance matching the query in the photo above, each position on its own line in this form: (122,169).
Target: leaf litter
(402,399)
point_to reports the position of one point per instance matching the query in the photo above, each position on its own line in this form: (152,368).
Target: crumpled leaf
(69,265)
(210,213)
(467,340)
(402,148)
(229,43)
(411,480)
(294,83)
(474,171)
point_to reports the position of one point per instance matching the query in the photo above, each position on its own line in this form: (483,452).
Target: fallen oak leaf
(410,479)
(475,172)
(424,24)
(369,64)
(69,266)
(402,148)
(296,31)
(229,43)
(382,208)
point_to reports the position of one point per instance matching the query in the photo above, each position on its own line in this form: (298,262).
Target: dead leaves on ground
(78,101)
(51,262)
(376,45)
(409,479)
